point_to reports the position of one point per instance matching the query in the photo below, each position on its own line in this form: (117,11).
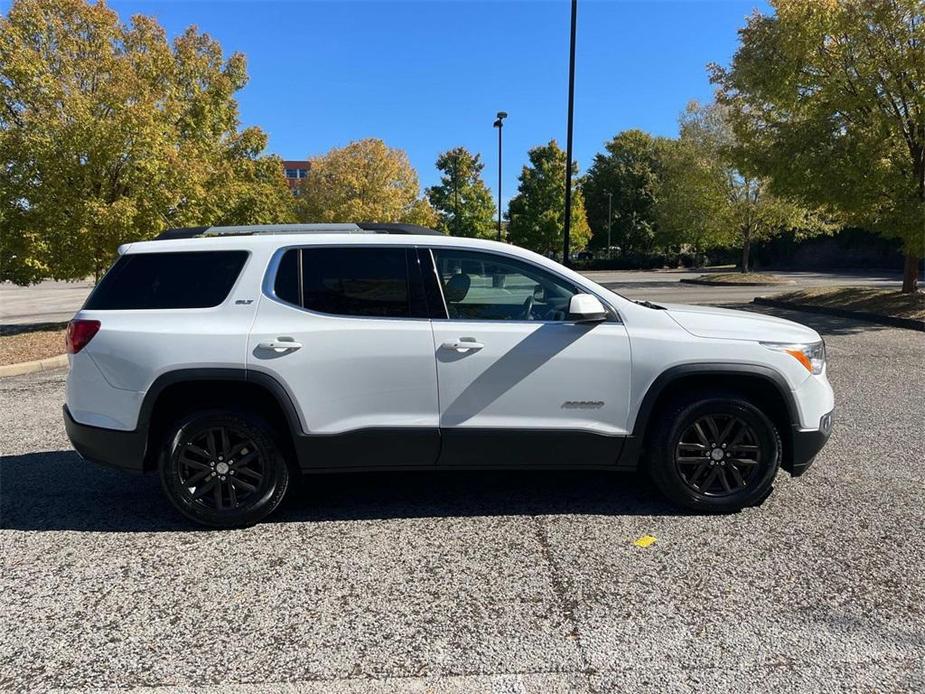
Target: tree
(109,134)
(247,188)
(365,181)
(692,194)
(628,170)
(828,100)
(462,200)
(727,200)
(536,215)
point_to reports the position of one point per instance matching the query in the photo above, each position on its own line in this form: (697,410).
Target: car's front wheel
(715,454)
(223,469)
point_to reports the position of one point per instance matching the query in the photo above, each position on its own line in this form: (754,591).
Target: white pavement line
(30,367)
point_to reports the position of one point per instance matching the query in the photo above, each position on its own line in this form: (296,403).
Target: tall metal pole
(609,220)
(500,128)
(568,146)
(456,192)
(499,124)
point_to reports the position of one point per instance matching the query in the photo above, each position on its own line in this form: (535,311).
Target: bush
(635,261)
(630,261)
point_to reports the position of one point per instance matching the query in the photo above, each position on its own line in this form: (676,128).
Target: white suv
(231,359)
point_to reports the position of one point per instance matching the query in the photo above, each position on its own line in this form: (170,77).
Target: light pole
(456,192)
(609,219)
(499,124)
(568,146)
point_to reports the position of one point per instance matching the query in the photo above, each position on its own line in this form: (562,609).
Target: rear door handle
(463,345)
(281,345)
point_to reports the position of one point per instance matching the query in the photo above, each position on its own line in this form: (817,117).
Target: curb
(711,283)
(30,367)
(892,321)
(18,328)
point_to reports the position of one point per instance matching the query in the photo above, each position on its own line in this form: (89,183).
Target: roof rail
(339,228)
(397,228)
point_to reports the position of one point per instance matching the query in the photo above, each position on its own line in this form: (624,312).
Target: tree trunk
(911,268)
(746,246)
(911,273)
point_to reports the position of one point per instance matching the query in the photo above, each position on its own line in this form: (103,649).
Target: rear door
(519,383)
(345,330)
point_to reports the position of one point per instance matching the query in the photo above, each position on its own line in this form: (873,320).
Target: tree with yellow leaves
(366,181)
(110,133)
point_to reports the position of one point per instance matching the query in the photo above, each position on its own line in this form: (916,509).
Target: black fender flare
(634,442)
(225,375)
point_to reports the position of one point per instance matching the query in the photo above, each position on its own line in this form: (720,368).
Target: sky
(429,76)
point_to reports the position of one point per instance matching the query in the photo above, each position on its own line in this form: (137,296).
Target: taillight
(79,333)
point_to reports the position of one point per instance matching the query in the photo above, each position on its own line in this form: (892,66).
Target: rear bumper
(807,444)
(111,447)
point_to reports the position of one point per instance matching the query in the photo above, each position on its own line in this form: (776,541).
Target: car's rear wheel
(223,469)
(715,454)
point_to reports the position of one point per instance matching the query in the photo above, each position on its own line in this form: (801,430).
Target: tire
(715,470)
(202,479)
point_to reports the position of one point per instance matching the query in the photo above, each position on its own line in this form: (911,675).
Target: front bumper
(806,444)
(111,447)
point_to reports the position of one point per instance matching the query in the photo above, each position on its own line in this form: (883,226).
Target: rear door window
(382,282)
(186,279)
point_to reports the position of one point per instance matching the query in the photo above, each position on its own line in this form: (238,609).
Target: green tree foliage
(462,200)
(828,100)
(366,181)
(109,133)
(691,196)
(628,170)
(536,215)
(708,197)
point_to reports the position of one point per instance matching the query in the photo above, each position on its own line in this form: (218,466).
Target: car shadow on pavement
(56,490)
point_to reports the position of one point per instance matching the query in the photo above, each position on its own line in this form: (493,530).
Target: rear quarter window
(186,279)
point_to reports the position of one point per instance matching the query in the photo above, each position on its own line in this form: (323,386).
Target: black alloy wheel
(220,468)
(718,455)
(223,469)
(714,453)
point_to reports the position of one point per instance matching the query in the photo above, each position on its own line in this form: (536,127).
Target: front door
(345,330)
(519,383)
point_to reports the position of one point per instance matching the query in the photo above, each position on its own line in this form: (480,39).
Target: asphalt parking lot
(462,582)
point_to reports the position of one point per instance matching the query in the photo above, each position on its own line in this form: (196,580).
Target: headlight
(812,355)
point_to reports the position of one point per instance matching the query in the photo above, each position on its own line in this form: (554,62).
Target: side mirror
(584,308)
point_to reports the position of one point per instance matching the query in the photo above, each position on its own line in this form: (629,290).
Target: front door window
(485,286)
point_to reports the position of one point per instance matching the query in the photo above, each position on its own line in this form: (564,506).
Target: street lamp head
(502,115)
(497,123)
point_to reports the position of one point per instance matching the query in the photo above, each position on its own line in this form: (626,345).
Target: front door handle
(463,345)
(281,345)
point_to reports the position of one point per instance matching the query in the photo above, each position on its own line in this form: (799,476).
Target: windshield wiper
(649,304)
